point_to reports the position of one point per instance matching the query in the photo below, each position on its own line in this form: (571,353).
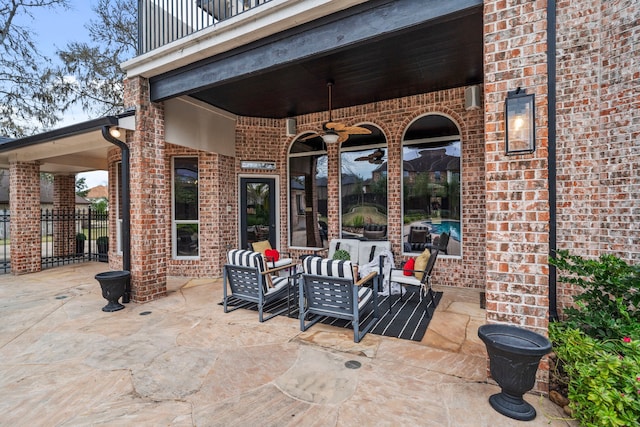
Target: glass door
(257,211)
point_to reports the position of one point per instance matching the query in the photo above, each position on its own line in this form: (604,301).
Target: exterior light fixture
(115,132)
(520,129)
(330,137)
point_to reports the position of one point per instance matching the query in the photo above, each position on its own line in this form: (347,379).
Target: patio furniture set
(324,287)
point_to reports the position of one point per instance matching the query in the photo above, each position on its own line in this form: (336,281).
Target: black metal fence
(67,237)
(161,22)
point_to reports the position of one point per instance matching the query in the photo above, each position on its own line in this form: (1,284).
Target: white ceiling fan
(335,131)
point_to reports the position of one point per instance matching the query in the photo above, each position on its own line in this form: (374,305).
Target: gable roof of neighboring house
(46,191)
(98,192)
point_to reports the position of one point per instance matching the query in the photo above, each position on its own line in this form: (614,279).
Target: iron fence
(67,237)
(161,22)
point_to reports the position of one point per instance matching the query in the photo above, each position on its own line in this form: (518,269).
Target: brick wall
(64,200)
(516,186)
(264,139)
(150,195)
(24,200)
(217,190)
(598,130)
(115,259)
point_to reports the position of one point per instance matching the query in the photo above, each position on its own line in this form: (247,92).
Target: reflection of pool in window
(448,226)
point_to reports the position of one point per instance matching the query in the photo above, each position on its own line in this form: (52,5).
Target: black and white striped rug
(406,319)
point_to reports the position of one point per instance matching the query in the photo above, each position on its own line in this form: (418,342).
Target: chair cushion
(246,259)
(277,283)
(399,277)
(327,267)
(410,265)
(261,246)
(349,245)
(279,263)
(364,295)
(370,250)
(421,263)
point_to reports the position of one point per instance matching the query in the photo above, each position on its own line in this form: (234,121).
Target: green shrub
(609,305)
(81,237)
(598,344)
(341,255)
(604,376)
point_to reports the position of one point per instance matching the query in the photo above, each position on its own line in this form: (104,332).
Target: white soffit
(195,124)
(72,154)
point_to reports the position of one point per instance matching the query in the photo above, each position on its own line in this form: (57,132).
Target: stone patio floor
(181,361)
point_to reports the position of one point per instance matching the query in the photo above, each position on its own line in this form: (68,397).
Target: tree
(81,187)
(27,101)
(96,82)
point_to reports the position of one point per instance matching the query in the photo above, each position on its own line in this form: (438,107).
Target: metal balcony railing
(163,21)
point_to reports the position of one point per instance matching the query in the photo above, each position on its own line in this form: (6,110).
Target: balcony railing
(161,22)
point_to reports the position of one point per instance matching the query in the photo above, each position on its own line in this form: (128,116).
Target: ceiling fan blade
(362,158)
(357,130)
(342,136)
(335,126)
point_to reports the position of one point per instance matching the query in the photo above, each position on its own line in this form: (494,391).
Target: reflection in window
(363,186)
(308,193)
(185,207)
(431,184)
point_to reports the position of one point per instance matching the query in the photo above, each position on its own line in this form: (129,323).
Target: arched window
(431,190)
(308,193)
(363,185)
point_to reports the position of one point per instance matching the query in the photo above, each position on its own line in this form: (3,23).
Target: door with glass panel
(257,211)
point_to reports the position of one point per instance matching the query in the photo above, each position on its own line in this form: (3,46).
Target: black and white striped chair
(328,288)
(247,277)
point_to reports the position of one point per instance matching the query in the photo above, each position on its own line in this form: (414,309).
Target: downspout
(551,114)
(126,207)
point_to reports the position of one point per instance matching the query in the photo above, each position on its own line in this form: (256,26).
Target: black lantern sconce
(520,127)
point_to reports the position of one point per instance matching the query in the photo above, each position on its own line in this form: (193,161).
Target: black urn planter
(113,284)
(514,355)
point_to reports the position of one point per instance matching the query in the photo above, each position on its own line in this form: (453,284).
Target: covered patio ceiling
(72,149)
(375,51)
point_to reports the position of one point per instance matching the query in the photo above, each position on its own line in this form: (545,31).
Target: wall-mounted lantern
(520,127)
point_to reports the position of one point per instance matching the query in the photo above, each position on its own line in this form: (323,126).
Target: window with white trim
(185,212)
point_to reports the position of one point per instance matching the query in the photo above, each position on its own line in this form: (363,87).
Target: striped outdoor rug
(407,319)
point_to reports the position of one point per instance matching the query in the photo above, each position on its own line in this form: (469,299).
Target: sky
(53,29)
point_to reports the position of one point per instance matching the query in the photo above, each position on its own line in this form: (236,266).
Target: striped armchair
(250,281)
(328,288)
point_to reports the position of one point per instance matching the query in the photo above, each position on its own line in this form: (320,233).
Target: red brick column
(64,203)
(24,205)
(517,198)
(333,190)
(150,195)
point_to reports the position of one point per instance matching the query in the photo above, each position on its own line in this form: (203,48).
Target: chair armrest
(275,270)
(366,278)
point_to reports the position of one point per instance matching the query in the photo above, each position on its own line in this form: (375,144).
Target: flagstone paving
(181,361)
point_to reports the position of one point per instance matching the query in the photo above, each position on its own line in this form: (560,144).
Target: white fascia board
(255,24)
